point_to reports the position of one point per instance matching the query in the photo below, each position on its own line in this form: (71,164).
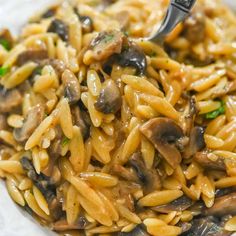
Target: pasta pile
(105,133)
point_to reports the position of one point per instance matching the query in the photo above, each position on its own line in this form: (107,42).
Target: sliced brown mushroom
(9,99)
(109,100)
(82,120)
(124,173)
(31,55)
(3,122)
(6,38)
(163,133)
(196,142)
(33,119)
(207,226)
(106,44)
(139,230)
(149,179)
(71,86)
(50,12)
(62,225)
(204,160)
(180,204)
(86,21)
(131,56)
(194,26)
(46,186)
(58,65)
(225,205)
(60,28)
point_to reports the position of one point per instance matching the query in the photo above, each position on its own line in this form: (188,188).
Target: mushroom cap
(163,133)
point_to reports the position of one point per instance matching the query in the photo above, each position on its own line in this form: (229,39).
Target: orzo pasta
(105,133)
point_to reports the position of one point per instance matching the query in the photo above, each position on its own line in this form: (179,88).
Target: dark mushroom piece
(58,65)
(6,39)
(9,99)
(149,179)
(46,186)
(106,44)
(131,56)
(207,226)
(225,205)
(196,142)
(71,86)
(86,21)
(163,133)
(62,225)
(82,120)
(33,119)
(60,28)
(49,13)
(3,122)
(109,100)
(139,230)
(180,204)
(203,159)
(87,24)
(124,173)
(194,26)
(31,55)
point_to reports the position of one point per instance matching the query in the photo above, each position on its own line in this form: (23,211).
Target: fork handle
(177,11)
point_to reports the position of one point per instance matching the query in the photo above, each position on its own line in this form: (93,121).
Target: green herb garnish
(126,33)
(217,112)
(5,44)
(108,38)
(65,141)
(4,70)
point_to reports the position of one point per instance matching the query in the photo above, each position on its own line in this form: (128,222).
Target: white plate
(14,221)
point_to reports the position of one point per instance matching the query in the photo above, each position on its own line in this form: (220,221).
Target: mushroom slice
(109,100)
(9,99)
(194,26)
(215,164)
(82,120)
(131,56)
(180,204)
(163,133)
(207,226)
(46,187)
(139,230)
(106,44)
(31,55)
(59,27)
(196,142)
(62,225)
(225,205)
(150,179)
(6,38)
(33,119)
(71,86)
(3,122)
(58,65)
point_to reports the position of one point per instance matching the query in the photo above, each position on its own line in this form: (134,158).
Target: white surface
(13,221)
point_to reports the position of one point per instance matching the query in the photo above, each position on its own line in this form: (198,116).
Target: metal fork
(177,11)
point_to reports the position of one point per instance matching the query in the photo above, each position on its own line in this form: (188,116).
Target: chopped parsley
(126,33)
(107,38)
(65,141)
(5,44)
(4,70)
(217,112)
